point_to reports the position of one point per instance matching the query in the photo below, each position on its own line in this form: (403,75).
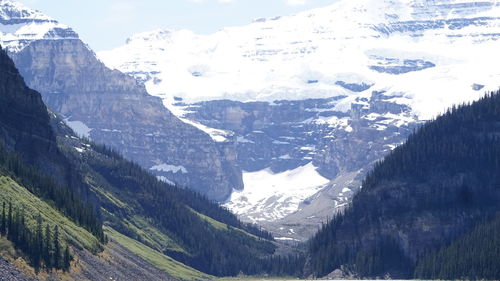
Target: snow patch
(285,239)
(240,139)
(79,128)
(269,196)
(20,25)
(165,180)
(216,134)
(169,168)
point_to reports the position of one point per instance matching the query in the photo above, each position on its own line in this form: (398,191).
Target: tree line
(475,256)
(220,252)
(63,198)
(41,246)
(197,201)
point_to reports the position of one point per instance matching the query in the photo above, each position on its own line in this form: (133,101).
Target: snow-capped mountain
(20,25)
(112,108)
(332,89)
(391,45)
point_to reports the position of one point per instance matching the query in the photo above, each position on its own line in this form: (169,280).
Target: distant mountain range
(321,95)
(285,121)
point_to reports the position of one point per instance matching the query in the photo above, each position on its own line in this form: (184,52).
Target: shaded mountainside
(25,123)
(474,256)
(168,218)
(430,191)
(146,217)
(34,204)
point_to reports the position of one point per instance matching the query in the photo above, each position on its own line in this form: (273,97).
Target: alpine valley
(359,140)
(311,101)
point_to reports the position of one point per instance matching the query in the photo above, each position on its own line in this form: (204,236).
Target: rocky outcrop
(287,134)
(114,109)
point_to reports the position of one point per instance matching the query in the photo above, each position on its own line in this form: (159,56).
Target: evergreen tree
(9,221)
(15,227)
(474,256)
(57,248)
(66,259)
(47,248)
(23,232)
(67,199)
(38,243)
(3,223)
(38,246)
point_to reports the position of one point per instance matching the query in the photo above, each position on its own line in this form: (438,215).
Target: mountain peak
(13,12)
(20,25)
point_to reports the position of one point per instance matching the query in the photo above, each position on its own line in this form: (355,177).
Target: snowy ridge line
(386,46)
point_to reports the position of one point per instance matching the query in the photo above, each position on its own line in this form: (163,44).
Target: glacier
(309,55)
(270,196)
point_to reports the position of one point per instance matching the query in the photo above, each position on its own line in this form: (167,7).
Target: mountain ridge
(377,20)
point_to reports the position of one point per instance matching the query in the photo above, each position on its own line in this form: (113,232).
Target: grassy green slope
(22,199)
(158,259)
(222,226)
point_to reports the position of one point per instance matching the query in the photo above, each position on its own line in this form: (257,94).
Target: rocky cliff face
(289,135)
(113,108)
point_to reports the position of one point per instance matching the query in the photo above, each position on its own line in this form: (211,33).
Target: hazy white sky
(105,24)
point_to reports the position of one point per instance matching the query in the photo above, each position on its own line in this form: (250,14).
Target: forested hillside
(45,206)
(135,203)
(440,187)
(473,256)
(44,164)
